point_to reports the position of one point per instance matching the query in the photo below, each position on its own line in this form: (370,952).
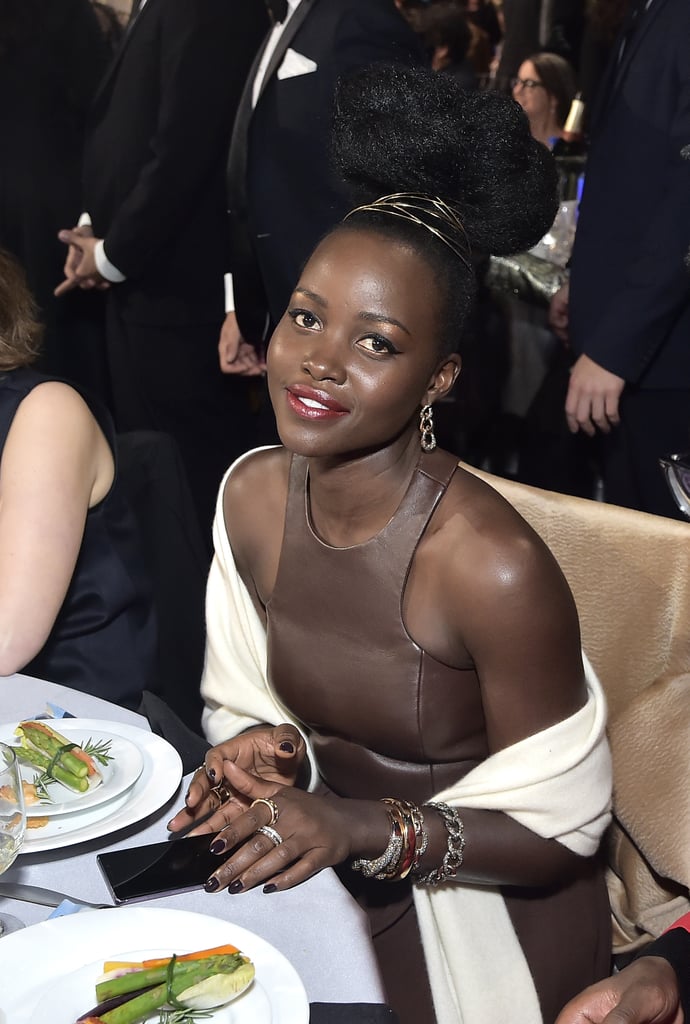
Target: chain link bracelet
(453,857)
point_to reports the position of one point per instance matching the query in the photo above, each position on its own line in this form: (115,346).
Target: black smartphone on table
(173,866)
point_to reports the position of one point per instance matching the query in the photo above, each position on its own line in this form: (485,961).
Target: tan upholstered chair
(630,575)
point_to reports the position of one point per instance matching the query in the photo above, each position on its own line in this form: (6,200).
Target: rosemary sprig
(41,781)
(183,1016)
(99,751)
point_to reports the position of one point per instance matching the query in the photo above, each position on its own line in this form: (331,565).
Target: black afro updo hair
(410,130)
(400,129)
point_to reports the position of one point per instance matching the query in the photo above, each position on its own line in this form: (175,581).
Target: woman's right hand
(271,753)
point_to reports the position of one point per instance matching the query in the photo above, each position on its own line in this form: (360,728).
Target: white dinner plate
(118,775)
(157,783)
(57,987)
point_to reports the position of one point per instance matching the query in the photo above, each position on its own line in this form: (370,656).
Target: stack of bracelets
(408,842)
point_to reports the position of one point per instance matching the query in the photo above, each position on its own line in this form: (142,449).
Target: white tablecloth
(317,925)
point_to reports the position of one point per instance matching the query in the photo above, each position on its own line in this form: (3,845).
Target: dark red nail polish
(235,887)
(217,846)
(211,772)
(287,747)
(270,888)
(211,884)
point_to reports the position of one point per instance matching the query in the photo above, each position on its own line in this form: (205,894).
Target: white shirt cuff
(229,294)
(106,269)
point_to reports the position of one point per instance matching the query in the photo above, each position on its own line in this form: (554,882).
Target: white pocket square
(295,64)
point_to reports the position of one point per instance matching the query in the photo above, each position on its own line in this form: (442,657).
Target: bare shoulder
(481,542)
(54,396)
(56,438)
(55,414)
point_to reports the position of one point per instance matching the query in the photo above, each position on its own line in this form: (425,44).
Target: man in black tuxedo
(283,194)
(629,302)
(154,189)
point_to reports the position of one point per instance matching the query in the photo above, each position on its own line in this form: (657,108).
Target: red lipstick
(313,404)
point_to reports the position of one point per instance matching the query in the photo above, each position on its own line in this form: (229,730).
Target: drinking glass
(12,821)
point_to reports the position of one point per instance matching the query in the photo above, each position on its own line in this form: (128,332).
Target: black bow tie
(278,10)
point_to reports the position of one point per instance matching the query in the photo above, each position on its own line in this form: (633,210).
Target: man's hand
(593,396)
(558,312)
(235,354)
(80,266)
(645,992)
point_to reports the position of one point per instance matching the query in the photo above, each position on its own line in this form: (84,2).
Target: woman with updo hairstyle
(75,603)
(394,680)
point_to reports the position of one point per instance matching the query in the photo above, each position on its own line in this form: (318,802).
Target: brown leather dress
(387,719)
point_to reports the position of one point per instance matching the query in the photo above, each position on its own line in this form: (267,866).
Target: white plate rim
(111,788)
(157,783)
(104,933)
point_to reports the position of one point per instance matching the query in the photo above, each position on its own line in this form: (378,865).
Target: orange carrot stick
(202,954)
(226,950)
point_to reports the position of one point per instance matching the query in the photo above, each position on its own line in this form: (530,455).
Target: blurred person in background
(532,423)
(111,24)
(484,15)
(603,22)
(52,56)
(626,311)
(544,87)
(154,194)
(530,26)
(447,37)
(284,194)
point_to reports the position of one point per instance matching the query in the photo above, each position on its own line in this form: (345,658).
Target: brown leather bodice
(385,718)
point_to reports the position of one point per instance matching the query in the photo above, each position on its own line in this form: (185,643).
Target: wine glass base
(9,924)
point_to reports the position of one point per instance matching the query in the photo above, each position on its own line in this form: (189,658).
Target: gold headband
(409,206)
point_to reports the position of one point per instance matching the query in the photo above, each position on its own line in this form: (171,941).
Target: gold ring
(274,836)
(222,792)
(201,768)
(272,806)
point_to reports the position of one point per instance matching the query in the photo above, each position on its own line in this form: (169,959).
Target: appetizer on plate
(176,989)
(57,760)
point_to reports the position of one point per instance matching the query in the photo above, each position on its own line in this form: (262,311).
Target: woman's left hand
(310,833)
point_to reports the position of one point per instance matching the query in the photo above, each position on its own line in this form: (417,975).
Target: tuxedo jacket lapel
(237,159)
(286,38)
(616,71)
(647,18)
(119,53)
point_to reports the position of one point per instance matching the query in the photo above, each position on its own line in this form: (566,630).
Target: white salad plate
(58,986)
(157,782)
(119,774)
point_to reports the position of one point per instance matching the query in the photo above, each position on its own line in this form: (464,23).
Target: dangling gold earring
(426,429)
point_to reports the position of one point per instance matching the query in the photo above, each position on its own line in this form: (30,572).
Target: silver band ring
(274,836)
(272,806)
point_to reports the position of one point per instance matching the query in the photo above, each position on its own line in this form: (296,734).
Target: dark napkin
(166,723)
(351,1013)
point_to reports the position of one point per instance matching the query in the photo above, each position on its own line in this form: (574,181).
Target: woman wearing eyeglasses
(544,87)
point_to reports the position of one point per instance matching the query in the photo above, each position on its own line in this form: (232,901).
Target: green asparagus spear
(182,978)
(133,980)
(52,743)
(27,755)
